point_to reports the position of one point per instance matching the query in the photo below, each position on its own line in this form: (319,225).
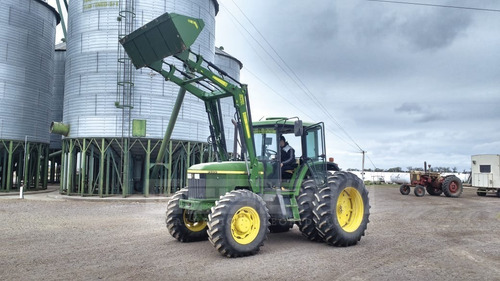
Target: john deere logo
(193,23)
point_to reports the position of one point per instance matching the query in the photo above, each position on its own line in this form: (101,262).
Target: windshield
(265,144)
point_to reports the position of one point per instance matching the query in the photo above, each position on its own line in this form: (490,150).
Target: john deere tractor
(235,202)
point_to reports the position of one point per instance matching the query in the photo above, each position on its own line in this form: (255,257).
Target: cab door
(314,152)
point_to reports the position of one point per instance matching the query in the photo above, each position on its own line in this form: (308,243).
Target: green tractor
(235,202)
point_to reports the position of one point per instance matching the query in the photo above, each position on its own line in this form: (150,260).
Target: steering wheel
(270,152)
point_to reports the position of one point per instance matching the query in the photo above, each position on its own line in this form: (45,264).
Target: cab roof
(288,122)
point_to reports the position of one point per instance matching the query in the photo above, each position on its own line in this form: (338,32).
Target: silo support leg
(125,183)
(101,167)
(63,168)
(169,176)
(146,169)
(91,170)
(3,184)
(38,166)
(108,172)
(69,174)
(45,169)
(9,166)
(26,166)
(83,166)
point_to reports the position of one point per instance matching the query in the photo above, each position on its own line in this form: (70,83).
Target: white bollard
(21,191)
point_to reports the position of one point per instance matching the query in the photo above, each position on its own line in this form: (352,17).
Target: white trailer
(485,170)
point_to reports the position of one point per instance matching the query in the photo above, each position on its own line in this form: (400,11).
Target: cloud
(434,30)
(409,107)
(415,28)
(431,117)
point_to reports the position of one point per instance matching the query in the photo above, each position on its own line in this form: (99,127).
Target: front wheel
(184,225)
(342,209)
(404,189)
(419,190)
(238,224)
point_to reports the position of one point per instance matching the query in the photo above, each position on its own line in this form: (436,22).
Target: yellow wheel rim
(245,225)
(350,209)
(191,224)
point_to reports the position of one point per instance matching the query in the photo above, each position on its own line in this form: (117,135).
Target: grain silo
(27,36)
(115,116)
(56,111)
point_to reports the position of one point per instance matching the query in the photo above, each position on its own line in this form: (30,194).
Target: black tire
(342,210)
(279,225)
(433,191)
(481,192)
(498,192)
(404,189)
(180,222)
(305,204)
(238,224)
(452,186)
(419,190)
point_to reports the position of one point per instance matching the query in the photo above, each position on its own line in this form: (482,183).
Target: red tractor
(434,183)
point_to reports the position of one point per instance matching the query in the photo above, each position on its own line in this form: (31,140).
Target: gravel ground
(53,237)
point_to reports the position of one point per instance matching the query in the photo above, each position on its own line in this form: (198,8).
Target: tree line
(410,168)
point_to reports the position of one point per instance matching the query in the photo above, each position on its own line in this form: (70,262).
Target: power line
(301,85)
(238,25)
(435,5)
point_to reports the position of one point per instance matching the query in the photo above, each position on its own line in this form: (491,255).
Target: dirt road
(50,237)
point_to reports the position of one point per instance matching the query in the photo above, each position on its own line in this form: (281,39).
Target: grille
(197,188)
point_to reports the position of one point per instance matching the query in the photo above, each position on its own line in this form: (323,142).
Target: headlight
(194,176)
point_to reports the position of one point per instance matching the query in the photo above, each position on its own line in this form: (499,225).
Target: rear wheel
(404,189)
(238,223)
(342,210)
(419,191)
(481,192)
(184,225)
(433,191)
(305,205)
(498,192)
(452,186)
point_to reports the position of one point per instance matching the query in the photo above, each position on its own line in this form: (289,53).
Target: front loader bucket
(167,35)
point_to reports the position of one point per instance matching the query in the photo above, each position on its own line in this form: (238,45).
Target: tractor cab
(307,141)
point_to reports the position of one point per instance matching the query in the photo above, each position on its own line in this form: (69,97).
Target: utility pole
(363,166)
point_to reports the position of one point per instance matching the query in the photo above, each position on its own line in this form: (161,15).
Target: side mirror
(298,129)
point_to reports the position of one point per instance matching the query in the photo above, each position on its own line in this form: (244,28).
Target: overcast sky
(407,83)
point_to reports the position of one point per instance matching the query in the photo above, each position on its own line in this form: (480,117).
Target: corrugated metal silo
(228,63)
(91,72)
(109,117)
(27,36)
(56,108)
(26,69)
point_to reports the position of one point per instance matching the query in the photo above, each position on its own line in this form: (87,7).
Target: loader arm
(171,35)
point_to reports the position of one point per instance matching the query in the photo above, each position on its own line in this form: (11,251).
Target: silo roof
(61,46)
(220,51)
(216,4)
